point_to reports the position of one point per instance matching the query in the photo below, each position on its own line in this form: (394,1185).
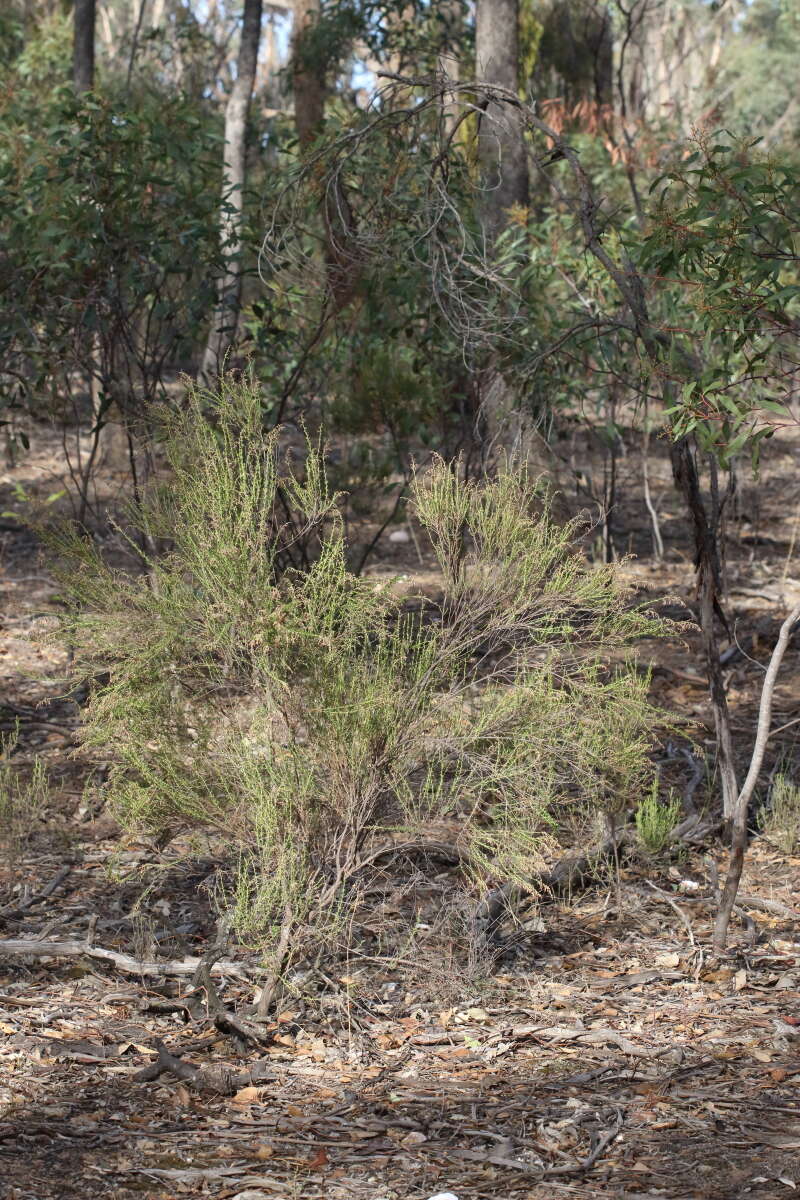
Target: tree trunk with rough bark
(503,161)
(226,315)
(309,70)
(308,81)
(501,146)
(83,45)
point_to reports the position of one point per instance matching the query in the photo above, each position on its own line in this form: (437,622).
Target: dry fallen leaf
(477,1014)
(667,960)
(415,1138)
(247,1095)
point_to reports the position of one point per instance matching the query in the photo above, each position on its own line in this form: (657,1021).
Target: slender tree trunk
(137,29)
(309,69)
(501,146)
(308,81)
(709,584)
(83,45)
(226,316)
(739,835)
(448,63)
(503,161)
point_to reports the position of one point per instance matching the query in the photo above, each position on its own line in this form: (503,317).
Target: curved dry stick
(739,836)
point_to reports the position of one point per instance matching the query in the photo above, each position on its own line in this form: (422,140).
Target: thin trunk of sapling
(739,834)
(709,580)
(611,446)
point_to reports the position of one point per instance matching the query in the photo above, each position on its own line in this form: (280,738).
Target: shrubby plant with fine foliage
(314,720)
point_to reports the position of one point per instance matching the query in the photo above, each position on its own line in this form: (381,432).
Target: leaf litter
(609,1059)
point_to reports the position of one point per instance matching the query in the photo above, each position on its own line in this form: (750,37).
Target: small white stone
(443,1196)
(688,886)
(399,535)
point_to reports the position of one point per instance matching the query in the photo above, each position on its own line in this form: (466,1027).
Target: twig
(781,728)
(270,985)
(695,829)
(587,1163)
(561,1034)
(658,541)
(225,1020)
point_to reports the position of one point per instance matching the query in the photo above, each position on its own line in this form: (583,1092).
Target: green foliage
(308,717)
(780,816)
(22,796)
(656,819)
(531,29)
(109,219)
(386,368)
(725,246)
(36,60)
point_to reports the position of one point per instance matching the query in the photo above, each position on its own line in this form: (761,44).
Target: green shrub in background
(22,796)
(655,819)
(109,219)
(780,816)
(309,718)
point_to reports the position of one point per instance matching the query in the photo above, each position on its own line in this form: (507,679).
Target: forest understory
(597,1050)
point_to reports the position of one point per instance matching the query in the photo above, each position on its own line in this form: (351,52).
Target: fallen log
(123,962)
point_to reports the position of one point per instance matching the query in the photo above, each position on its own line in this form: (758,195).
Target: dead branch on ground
(123,962)
(214,1080)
